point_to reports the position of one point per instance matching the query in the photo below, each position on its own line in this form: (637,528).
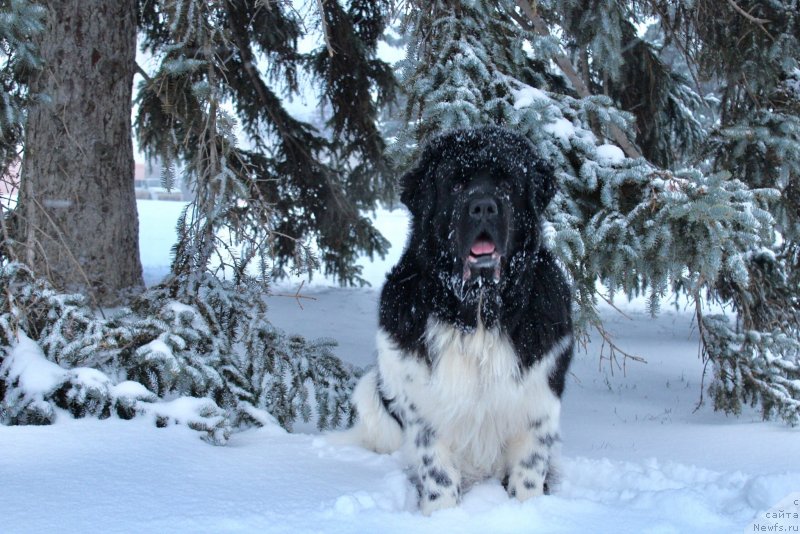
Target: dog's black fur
(531,300)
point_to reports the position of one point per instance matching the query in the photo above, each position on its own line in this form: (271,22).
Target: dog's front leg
(439,481)
(530,456)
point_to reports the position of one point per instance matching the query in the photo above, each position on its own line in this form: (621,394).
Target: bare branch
(747,15)
(613,350)
(297,296)
(610,303)
(761,23)
(325,30)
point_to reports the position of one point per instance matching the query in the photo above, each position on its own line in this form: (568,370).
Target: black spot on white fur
(475,331)
(424,437)
(535,459)
(440,477)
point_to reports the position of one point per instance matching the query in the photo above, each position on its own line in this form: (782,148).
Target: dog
(475,333)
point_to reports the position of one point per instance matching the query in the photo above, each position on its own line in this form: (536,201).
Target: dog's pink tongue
(482,246)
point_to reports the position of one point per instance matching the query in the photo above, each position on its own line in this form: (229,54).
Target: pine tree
(308,185)
(649,202)
(198,348)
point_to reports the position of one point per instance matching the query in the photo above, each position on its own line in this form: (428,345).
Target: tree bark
(78,221)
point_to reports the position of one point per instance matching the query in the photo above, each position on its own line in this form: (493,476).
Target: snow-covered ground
(638,455)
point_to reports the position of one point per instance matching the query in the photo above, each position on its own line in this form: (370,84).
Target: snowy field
(638,455)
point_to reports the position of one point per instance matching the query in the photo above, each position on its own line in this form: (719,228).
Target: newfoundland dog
(475,333)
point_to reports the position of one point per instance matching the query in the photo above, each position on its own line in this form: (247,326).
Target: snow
(609,154)
(90,378)
(186,409)
(527,95)
(27,365)
(131,389)
(160,218)
(562,129)
(638,454)
(157,348)
(793,82)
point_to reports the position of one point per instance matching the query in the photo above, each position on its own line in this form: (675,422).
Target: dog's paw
(432,501)
(525,485)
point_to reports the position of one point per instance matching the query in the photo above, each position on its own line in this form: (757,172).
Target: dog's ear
(410,186)
(542,183)
(414,183)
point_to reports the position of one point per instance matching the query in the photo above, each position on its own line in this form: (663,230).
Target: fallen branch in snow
(208,360)
(297,296)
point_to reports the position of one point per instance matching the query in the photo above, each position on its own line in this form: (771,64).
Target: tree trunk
(77,205)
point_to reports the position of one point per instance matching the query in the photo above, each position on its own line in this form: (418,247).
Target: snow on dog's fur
(475,334)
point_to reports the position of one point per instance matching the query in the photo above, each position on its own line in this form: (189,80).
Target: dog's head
(476,198)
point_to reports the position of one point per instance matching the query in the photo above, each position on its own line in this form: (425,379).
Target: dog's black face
(478,209)
(476,200)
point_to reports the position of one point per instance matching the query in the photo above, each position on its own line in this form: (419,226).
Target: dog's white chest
(474,394)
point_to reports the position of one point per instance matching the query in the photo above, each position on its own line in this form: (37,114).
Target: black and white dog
(475,332)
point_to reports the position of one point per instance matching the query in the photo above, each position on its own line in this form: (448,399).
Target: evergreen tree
(650,202)
(198,349)
(293,185)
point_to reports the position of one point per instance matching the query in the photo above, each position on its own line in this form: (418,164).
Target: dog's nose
(483,209)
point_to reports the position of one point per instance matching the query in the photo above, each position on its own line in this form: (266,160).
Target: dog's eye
(505,186)
(457,187)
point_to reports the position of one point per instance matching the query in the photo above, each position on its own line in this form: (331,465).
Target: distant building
(148,184)
(146,179)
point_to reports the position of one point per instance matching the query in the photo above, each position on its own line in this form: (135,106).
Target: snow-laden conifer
(198,348)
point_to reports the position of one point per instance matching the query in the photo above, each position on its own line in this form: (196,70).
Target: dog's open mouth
(483,254)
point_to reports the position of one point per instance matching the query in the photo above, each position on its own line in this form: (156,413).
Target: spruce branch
(564,63)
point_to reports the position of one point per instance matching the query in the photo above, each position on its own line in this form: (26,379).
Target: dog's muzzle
(484,253)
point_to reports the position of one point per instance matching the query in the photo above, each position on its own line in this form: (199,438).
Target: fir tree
(293,185)
(198,349)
